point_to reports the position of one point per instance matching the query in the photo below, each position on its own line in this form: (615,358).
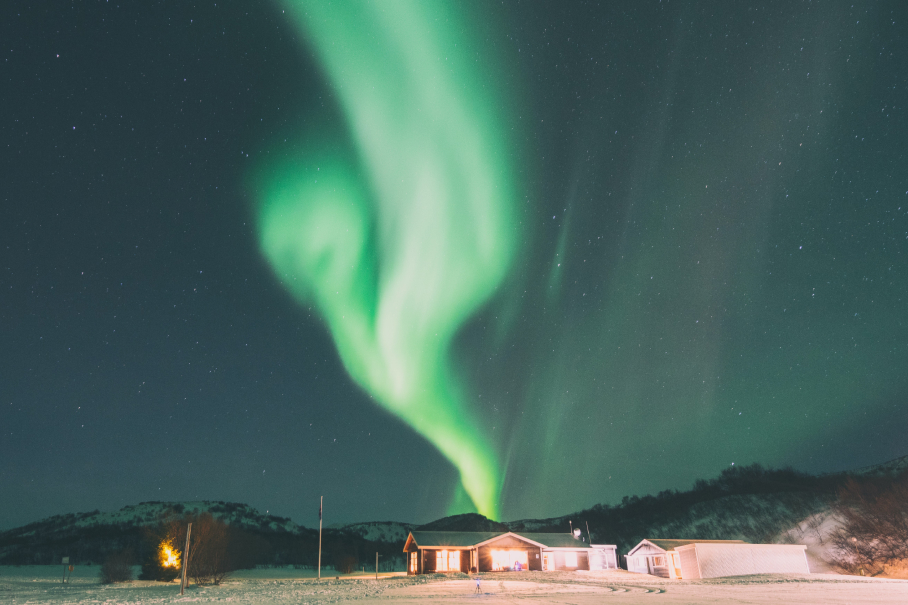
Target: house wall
(534,555)
(465,561)
(609,558)
(690,569)
(601,558)
(721,560)
(644,561)
(428,561)
(583,560)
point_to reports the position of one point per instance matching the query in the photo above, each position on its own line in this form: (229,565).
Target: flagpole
(320,500)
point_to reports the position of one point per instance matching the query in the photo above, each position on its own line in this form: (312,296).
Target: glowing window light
(505,559)
(454,560)
(441,560)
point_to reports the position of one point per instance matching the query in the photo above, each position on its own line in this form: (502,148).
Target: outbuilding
(697,559)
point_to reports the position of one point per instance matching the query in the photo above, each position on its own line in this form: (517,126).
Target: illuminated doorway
(506,559)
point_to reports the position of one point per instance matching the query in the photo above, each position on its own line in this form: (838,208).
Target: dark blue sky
(714,228)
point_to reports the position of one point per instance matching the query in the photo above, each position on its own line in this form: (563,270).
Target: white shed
(706,560)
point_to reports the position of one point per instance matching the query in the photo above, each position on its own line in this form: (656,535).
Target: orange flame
(168,556)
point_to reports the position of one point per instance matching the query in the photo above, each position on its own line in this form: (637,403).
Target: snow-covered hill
(892,467)
(144,514)
(379,531)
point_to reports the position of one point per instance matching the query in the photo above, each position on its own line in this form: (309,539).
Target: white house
(696,559)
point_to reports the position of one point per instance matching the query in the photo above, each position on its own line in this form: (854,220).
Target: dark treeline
(260,540)
(750,502)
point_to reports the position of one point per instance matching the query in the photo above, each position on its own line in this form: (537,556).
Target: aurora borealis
(408,255)
(397,280)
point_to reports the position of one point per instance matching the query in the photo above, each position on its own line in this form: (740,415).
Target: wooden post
(376,567)
(185,558)
(321,500)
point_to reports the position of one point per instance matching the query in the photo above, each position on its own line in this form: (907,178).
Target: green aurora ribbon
(401,243)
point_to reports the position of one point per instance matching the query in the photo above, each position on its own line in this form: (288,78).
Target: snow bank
(42,584)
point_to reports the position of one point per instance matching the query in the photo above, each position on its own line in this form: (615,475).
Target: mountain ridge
(750,503)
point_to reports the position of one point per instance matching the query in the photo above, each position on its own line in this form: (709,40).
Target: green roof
(555,540)
(452,538)
(461,539)
(672,544)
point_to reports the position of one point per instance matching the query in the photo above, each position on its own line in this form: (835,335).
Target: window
(505,559)
(447,560)
(454,560)
(413,560)
(570,559)
(659,561)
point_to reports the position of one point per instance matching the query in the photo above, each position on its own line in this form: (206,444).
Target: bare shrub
(117,568)
(209,557)
(874,530)
(345,563)
(815,523)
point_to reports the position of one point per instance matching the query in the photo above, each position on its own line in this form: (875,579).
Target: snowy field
(42,584)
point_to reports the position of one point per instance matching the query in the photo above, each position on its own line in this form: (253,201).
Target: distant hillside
(745,503)
(467,522)
(89,537)
(150,513)
(749,503)
(891,467)
(378,531)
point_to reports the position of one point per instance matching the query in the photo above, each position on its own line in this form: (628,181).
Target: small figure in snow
(478,582)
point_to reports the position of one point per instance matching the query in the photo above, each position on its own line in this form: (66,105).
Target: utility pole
(321,500)
(588,534)
(185,558)
(376,567)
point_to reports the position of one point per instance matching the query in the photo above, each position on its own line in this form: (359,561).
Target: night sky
(423,258)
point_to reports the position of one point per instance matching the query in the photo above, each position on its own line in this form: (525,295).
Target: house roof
(466,539)
(667,545)
(452,538)
(555,540)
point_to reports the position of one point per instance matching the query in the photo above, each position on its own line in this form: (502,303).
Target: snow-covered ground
(42,584)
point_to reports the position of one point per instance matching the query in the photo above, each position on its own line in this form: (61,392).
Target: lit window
(659,561)
(441,560)
(413,562)
(570,559)
(505,559)
(454,560)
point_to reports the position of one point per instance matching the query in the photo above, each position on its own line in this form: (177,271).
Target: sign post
(65,564)
(321,500)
